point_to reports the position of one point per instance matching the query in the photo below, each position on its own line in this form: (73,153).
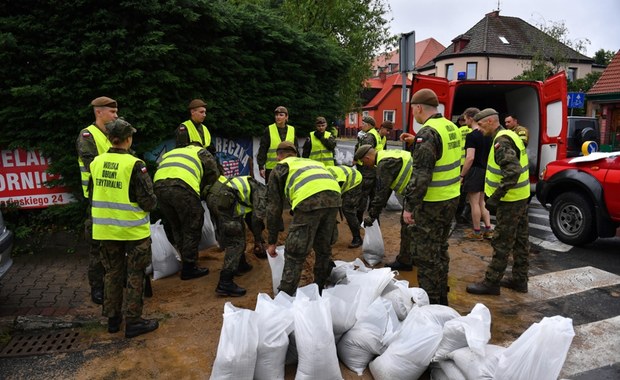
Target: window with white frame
(364,113)
(571,74)
(472,70)
(450,71)
(389,115)
(352,118)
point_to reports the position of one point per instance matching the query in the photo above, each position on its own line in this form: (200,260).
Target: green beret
(196,103)
(104,101)
(485,113)
(425,96)
(369,120)
(362,151)
(286,145)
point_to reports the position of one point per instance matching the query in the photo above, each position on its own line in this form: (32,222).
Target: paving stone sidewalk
(51,282)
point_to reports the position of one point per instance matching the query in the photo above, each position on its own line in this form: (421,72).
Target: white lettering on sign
(22,181)
(12,158)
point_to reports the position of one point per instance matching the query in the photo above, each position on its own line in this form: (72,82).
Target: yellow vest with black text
(306,178)
(446,181)
(274,141)
(184,164)
(195,137)
(242,185)
(115,216)
(319,152)
(103,144)
(465,130)
(350,177)
(493,175)
(404,175)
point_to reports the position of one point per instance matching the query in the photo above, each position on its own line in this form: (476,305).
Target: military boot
(139,327)
(190,271)
(96,295)
(510,283)
(114,324)
(483,287)
(226,286)
(357,241)
(243,267)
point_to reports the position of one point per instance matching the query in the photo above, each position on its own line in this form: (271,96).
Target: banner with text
(23,178)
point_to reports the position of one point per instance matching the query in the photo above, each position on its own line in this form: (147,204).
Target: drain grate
(46,342)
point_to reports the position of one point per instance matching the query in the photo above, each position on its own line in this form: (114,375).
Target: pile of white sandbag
(368,319)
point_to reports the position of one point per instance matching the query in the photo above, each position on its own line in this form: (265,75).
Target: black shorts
(474,180)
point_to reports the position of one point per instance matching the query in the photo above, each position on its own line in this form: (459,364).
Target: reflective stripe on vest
(194,136)
(274,141)
(445,183)
(404,175)
(493,175)
(465,130)
(115,217)
(350,177)
(103,144)
(306,178)
(319,152)
(184,164)
(242,186)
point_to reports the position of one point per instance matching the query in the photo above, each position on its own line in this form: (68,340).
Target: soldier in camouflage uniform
(180,180)
(91,142)
(229,200)
(508,188)
(350,181)
(432,196)
(122,197)
(394,169)
(193,130)
(367,136)
(315,198)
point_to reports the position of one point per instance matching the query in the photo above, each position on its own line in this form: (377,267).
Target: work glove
(368,221)
(491,205)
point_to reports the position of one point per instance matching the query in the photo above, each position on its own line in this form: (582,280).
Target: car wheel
(572,219)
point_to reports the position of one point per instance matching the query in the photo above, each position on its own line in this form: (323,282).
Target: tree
(603,57)
(154,57)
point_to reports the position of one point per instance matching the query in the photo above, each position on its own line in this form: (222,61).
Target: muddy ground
(190,313)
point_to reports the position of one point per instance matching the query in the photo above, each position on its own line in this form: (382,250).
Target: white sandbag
(474,366)
(274,323)
(343,301)
(372,247)
(236,350)
(338,274)
(439,314)
(539,353)
(363,341)
(472,330)
(393,204)
(315,341)
(393,323)
(410,352)
(308,292)
(419,296)
(277,267)
(165,258)
(451,371)
(397,292)
(207,239)
(371,285)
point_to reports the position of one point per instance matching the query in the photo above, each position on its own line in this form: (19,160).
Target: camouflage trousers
(95,267)
(184,213)
(429,246)
(230,231)
(124,262)
(511,236)
(368,184)
(350,201)
(308,230)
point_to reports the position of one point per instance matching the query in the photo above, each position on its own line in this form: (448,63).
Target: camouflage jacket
(387,171)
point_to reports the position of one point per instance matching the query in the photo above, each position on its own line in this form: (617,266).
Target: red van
(541,107)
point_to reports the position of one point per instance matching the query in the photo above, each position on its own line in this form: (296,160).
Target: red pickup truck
(583,197)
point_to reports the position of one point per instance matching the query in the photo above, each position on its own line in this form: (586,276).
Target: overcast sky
(596,20)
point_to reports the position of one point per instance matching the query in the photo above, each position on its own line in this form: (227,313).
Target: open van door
(554,120)
(441,87)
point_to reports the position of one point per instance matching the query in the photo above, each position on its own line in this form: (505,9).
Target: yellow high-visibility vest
(184,164)
(465,130)
(350,177)
(319,152)
(446,182)
(195,137)
(103,144)
(404,175)
(305,178)
(493,175)
(115,216)
(242,185)
(274,141)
